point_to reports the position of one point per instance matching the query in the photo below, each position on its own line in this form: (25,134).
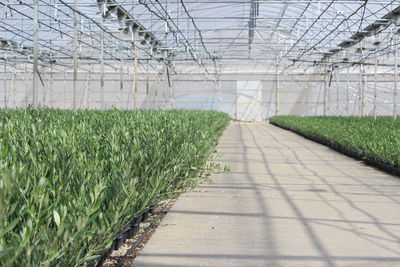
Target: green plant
(373,138)
(70,180)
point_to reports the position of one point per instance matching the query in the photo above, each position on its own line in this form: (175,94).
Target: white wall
(299,94)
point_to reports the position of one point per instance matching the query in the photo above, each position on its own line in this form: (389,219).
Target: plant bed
(376,142)
(75,183)
(124,250)
(126,253)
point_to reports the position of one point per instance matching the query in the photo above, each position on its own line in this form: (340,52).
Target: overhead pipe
(128,24)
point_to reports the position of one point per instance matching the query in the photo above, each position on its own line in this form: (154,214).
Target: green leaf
(5,251)
(92,257)
(5,149)
(57,219)
(10,226)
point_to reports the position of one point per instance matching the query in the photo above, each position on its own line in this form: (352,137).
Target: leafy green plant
(372,138)
(70,180)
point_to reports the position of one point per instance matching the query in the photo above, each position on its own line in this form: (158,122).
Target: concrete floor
(287,201)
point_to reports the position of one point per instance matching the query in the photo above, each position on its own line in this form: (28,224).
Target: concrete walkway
(287,201)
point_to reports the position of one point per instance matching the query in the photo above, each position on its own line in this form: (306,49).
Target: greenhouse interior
(250,59)
(113,111)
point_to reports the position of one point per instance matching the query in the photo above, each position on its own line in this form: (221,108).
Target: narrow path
(287,201)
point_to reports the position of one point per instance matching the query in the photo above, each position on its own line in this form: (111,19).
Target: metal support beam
(75,55)
(5,83)
(220,85)
(277,90)
(171,95)
(135,82)
(35,53)
(280,16)
(328,95)
(364,84)
(51,83)
(325,93)
(375,83)
(361,85)
(64,84)
(347,91)
(121,74)
(14,88)
(396,71)
(102,67)
(337,93)
(361,93)
(254,12)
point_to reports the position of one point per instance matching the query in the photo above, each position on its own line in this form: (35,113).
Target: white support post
(360,84)
(14,89)
(5,81)
(219,71)
(147,85)
(219,87)
(277,90)
(328,94)
(360,88)
(148,79)
(325,91)
(75,56)
(375,83)
(166,31)
(51,85)
(135,83)
(102,65)
(325,86)
(89,87)
(347,91)
(86,93)
(121,72)
(363,84)
(121,84)
(395,78)
(337,93)
(361,91)
(171,95)
(35,53)
(65,86)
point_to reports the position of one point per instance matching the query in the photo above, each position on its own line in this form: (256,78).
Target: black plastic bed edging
(375,162)
(129,231)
